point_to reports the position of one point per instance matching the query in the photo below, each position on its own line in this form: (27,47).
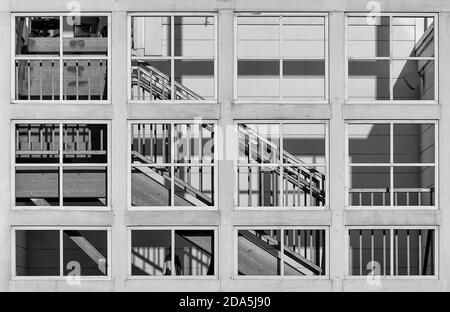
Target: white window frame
(325,165)
(60,164)
(391,248)
(391,58)
(172,230)
(61,229)
(391,165)
(173,164)
(171,57)
(61,57)
(236,276)
(281,99)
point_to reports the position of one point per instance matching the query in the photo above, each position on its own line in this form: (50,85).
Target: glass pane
(303,79)
(368,80)
(85,252)
(85,186)
(150,36)
(304,143)
(37,253)
(194,252)
(37,80)
(369,252)
(369,186)
(303,36)
(151,143)
(259,143)
(85,143)
(150,252)
(258,79)
(258,186)
(85,80)
(37,143)
(304,186)
(195,80)
(259,252)
(258,36)
(194,186)
(414,143)
(37,35)
(194,143)
(414,186)
(304,252)
(368,36)
(150,80)
(413,36)
(369,143)
(85,35)
(150,186)
(413,80)
(37,186)
(194,36)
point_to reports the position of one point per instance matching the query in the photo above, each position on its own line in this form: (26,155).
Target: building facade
(224,145)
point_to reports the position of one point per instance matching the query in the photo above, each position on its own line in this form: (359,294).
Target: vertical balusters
(384,252)
(29,80)
(408,267)
(89,79)
(52,79)
(40,80)
(420,252)
(360,253)
(17,79)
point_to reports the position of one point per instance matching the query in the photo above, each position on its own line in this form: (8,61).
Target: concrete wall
(336,112)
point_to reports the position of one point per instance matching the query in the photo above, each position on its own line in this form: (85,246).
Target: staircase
(260,254)
(151,84)
(301,178)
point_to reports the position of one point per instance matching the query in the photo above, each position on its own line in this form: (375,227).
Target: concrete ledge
(392,111)
(173,111)
(62,217)
(275,285)
(61,111)
(164,285)
(392,217)
(172,218)
(281,111)
(281,217)
(60,285)
(401,285)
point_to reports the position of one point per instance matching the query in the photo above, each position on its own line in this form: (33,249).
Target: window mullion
(391,161)
(61,64)
(61,167)
(61,254)
(391,85)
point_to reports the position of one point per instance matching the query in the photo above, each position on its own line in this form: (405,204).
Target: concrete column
(444,150)
(5,153)
(119,149)
(226,163)
(337,255)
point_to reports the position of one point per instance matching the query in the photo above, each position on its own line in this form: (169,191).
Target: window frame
(61,165)
(282,207)
(391,165)
(172,230)
(172,57)
(391,58)
(282,277)
(60,57)
(392,228)
(173,164)
(61,276)
(280,60)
